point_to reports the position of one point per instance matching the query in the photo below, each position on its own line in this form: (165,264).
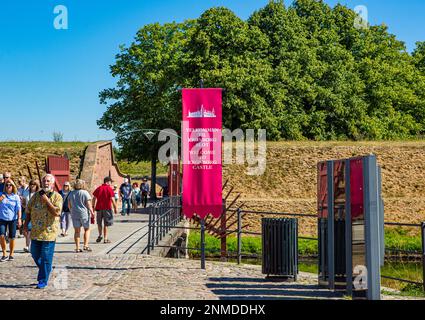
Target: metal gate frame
(373,227)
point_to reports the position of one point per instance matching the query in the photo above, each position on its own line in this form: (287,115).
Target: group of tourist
(37,212)
(132,196)
(34,210)
(13,203)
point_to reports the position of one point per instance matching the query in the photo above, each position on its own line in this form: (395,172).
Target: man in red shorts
(103,200)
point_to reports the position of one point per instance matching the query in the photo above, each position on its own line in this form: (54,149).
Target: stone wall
(99,162)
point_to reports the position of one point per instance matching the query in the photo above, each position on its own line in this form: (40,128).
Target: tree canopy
(300,72)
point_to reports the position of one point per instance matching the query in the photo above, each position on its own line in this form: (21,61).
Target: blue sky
(50,79)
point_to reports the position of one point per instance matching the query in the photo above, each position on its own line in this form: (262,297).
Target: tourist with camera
(43,211)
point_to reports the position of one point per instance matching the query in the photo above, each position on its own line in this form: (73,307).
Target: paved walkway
(118,271)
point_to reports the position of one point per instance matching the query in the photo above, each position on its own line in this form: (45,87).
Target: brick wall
(99,162)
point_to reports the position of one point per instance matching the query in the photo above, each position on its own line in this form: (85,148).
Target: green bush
(400,239)
(397,238)
(251,245)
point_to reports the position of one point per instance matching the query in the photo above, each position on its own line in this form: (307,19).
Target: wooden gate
(174,179)
(59,167)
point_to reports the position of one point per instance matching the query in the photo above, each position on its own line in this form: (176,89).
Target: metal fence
(239,231)
(166,215)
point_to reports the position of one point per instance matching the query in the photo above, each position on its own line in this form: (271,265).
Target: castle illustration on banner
(202,113)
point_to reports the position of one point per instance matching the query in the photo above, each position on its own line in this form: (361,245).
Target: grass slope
(15,156)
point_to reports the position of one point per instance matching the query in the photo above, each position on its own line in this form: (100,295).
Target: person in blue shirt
(125,192)
(10,217)
(7,176)
(145,191)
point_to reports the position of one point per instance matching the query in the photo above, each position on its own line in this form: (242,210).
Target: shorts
(105,215)
(10,226)
(79,222)
(24,217)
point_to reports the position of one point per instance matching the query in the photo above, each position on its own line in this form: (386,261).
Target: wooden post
(223,239)
(203,244)
(29,172)
(38,172)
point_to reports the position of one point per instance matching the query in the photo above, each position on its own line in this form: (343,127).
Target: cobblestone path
(102,276)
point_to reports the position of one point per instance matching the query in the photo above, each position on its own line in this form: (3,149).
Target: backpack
(65,207)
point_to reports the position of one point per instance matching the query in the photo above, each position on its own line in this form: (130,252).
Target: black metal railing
(239,231)
(409,252)
(164,215)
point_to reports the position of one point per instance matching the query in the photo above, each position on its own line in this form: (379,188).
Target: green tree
(146,95)
(419,56)
(301,72)
(226,52)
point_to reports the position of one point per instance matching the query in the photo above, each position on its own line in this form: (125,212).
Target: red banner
(201,142)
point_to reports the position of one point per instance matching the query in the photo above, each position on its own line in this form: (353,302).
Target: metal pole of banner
(239,236)
(203,244)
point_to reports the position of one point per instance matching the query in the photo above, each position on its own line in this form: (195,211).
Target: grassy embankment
(15,156)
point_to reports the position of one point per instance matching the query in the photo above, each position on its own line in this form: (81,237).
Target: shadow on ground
(263,289)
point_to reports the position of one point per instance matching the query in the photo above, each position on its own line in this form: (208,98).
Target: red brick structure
(99,162)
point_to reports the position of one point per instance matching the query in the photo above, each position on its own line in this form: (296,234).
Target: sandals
(99,239)
(78,250)
(88,249)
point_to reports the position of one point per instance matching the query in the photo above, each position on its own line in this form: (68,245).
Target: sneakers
(41,285)
(26,250)
(11,258)
(4,259)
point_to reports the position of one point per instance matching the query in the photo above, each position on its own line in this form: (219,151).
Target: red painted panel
(356,185)
(322,190)
(174,178)
(59,167)
(339,188)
